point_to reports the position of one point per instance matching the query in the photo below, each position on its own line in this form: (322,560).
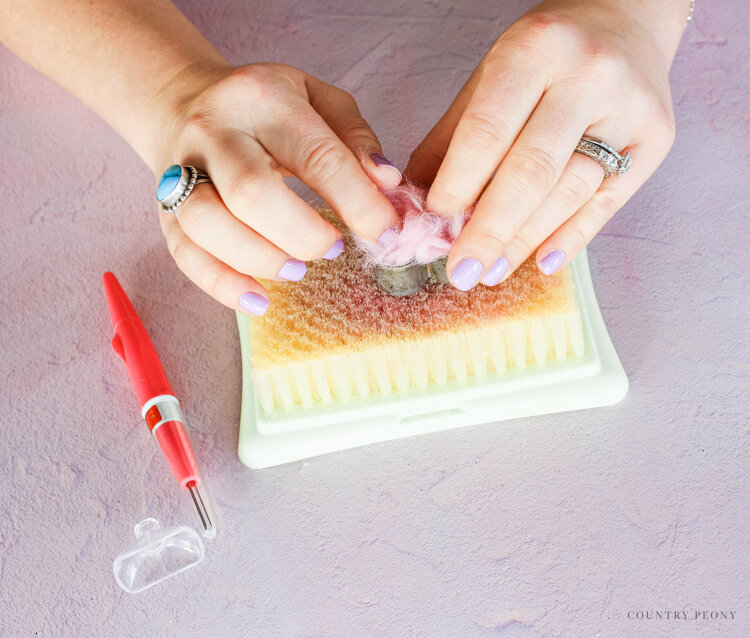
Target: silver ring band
(189,177)
(603,154)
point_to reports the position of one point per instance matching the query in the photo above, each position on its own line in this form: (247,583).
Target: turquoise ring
(176,183)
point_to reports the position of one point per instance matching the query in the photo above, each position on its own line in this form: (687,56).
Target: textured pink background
(550,526)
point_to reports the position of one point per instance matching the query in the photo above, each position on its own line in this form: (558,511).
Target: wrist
(170,103)
(652,27)
(665,20)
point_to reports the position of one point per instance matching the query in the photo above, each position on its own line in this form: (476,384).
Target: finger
(497,111)
(298,138)
(340,111)
(574,234)
(576,185)
(205,219)
(525,177)
(227,286)
(255,193)
(426,159)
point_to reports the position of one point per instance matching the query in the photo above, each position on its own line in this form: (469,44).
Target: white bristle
(517,336)
(538,333)
(437,361)
(360,373)
(477,350)
(381,373)
(412,366)
(498,358)
(263,390)
(559,338)
(456,358)
(397,362)
(341,378)
(416,363)
(321,382)
(301,383)
(575,333)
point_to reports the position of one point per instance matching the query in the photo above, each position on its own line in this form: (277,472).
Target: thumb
(340,111)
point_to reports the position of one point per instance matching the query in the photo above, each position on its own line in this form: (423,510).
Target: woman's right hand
(249,127)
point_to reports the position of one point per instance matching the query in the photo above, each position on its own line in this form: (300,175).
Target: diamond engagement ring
(604,155)
(176,184)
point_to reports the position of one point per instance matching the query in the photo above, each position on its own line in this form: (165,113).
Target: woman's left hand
(565,70)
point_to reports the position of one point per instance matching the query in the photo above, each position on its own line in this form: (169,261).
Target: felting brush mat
(336,363)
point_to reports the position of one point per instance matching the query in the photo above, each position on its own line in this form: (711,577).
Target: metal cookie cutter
(401,281)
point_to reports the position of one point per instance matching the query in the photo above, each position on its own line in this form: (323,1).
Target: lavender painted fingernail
(381,160)
(293,270)
(495,272)
(335,250)
(466,274)
(552,262)
(386,236)
(253,302)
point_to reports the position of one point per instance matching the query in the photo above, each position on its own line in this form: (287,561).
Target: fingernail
(466,274)
(335,250)
(552,262)
(383,239)
(381,160)
(253,302)
(495,272)
(293,270)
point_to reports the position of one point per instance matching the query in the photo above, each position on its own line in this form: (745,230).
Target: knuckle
(579,236)
(192,214)
(358,132)
(485,131)
(488,241)
(321,159)
(604,206)
(535,168)
(212,282)
(179,248)
(604,59)
(258,86)
(573,190)
(541,23)
(522,244)
(247,188)
(538,29)
(198,124)
(252,79)
(344,96)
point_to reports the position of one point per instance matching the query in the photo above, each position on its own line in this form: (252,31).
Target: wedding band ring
(603,154)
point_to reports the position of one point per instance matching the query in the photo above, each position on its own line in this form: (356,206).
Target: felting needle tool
(159,406)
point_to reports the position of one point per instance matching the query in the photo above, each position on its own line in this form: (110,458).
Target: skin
(565,70)
(176,100)
(560,72)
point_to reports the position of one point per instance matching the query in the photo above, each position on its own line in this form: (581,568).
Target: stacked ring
(176,183)
(604,155)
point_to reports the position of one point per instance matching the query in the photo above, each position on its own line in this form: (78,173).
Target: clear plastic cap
(157,555)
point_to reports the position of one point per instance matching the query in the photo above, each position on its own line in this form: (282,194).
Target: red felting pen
(159,406)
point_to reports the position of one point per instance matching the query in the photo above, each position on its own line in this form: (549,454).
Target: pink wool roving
(421,236)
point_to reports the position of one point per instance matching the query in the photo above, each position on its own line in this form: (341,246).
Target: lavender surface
(551,526)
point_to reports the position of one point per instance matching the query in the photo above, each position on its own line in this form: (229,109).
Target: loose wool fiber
(422,236)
